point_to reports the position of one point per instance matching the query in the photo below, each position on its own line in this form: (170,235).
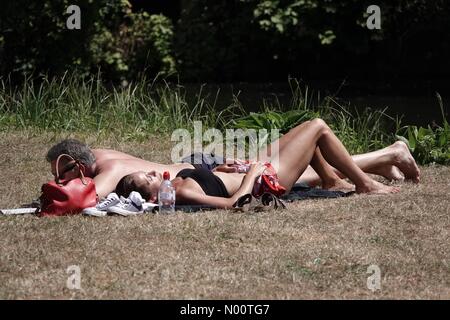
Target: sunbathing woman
(297,149)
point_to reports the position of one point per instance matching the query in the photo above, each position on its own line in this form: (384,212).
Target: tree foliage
(228,40)
(34,39)
(264,39)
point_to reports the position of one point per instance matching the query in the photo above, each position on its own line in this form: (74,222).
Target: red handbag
(63,197)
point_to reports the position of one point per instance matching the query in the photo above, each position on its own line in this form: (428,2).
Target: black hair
(128,184)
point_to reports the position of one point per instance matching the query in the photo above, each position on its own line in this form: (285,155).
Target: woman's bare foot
(374,187)
(390,173)
(404,160)
(338,185)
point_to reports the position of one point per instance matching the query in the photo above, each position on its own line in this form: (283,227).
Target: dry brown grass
(315,249)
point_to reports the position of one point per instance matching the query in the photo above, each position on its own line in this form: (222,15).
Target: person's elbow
(197,199)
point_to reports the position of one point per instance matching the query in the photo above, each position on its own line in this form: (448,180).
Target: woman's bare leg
(292,158)
(384,162)
(318,172)
(320,169)
(326,174)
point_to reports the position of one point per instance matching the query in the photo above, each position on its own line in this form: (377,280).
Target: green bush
(431,144)
(34,39)
(141,45)
(225,40)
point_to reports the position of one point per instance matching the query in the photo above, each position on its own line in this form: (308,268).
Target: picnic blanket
(299,191)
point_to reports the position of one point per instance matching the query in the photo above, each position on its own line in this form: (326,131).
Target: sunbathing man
(295,153)
(107,167)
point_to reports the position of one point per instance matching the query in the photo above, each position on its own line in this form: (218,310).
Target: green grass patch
(155,107)
(135,111)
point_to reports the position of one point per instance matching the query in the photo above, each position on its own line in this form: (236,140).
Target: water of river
(418,106)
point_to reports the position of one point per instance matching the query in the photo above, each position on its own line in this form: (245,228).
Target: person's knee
(302,125)
(319,123)
(320,127)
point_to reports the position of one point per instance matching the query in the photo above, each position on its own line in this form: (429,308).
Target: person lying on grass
(107,166)
(297,149)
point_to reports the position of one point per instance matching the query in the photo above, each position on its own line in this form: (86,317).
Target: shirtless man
(107,167)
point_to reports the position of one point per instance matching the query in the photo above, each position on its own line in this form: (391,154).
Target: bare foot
(338,185)
(375,187)
(391,173)
(404,160)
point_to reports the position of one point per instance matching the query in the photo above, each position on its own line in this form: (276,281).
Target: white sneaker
(101,209)
(131,206)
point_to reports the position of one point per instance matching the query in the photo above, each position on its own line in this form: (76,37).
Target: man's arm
(106,181)
(229,166)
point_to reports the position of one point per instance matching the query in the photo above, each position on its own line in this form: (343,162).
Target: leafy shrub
(34,39)
(429,145)
(275,120)
(141,45)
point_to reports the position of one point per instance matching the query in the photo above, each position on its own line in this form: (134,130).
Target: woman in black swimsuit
(298,148)
(194,186)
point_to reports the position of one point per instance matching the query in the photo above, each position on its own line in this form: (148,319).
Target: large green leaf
(424,132)
(274,120)
(443,139)
(412,137)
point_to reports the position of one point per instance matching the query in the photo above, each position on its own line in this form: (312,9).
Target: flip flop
(266,202)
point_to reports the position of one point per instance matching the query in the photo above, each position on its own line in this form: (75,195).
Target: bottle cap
(166,175)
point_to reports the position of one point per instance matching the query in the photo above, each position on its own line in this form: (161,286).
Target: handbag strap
(69,166)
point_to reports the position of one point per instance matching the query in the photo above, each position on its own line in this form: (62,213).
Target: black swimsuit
(210,183)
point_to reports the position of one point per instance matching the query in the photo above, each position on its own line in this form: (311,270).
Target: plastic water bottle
(166,195)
